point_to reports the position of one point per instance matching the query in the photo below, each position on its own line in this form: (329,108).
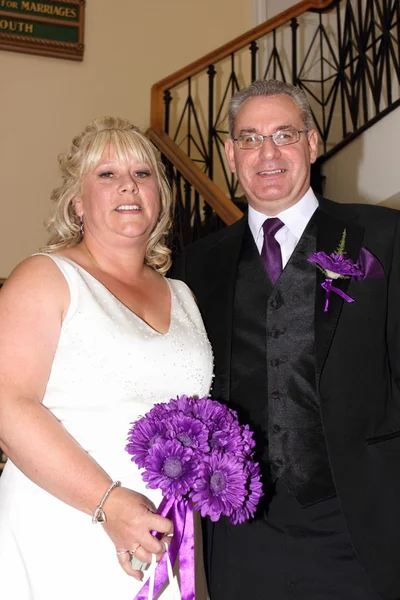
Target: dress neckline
(152,329)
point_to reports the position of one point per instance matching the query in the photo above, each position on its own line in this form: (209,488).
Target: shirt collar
(295,218)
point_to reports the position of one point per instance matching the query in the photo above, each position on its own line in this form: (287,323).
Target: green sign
(47,28)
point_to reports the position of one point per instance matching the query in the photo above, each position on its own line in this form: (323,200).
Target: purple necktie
(271,250)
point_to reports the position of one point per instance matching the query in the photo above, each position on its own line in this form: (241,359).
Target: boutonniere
(336,266)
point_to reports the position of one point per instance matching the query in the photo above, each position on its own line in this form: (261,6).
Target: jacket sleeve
(393,313)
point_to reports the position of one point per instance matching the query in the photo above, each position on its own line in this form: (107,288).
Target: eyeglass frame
(272,135)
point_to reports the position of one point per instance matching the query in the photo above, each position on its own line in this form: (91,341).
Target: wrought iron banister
(191,173)
(203,63)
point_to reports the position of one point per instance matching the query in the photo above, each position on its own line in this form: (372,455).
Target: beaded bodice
(111,367)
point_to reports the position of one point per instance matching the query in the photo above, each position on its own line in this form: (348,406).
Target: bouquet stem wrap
(182,545)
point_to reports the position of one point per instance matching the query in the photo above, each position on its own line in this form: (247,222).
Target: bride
(92,335)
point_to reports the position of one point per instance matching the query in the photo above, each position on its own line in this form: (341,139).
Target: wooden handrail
(156,117)
(208,190)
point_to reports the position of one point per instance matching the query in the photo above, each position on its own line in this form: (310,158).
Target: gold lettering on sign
(47,9)
(16,26)
(44,27)
(9,3)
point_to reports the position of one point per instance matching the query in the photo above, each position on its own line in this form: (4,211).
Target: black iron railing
(193,218)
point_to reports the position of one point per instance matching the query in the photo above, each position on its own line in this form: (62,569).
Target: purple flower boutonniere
(336,266)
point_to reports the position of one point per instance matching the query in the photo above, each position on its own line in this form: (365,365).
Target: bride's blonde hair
(84,155)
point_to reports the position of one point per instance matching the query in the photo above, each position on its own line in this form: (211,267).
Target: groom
(314,369)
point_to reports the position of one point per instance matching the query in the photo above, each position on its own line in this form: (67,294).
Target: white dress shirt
(295,220)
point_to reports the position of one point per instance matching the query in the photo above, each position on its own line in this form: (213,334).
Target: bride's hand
(130,520)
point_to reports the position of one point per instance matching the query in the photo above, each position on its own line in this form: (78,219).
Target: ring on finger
(123,552)
(132,552)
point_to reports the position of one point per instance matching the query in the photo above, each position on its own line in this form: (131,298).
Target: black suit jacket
(358,369)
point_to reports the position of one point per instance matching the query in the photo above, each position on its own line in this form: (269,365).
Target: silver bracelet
(99,515)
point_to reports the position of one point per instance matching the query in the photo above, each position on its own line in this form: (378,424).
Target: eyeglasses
(282,137)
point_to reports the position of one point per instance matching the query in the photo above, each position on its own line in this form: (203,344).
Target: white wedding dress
(110,368)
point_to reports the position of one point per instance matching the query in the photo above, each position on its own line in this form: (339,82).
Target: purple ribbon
(328,287)
(182,544)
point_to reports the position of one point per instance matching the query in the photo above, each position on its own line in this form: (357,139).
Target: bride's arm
(33,303)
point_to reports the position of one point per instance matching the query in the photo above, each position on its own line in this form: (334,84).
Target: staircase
(345,54)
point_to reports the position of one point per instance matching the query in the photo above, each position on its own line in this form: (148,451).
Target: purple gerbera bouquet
(197,453)
(195,449)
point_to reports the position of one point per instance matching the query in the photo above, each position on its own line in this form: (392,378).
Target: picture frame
(50,28)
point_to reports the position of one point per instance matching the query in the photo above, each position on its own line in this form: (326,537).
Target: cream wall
(367,169)
(266,9)
(44,101)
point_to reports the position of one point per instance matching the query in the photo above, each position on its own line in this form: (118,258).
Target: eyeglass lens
(282,137)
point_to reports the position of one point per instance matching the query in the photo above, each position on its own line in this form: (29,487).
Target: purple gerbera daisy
(220,487)
(179,404)
(183,404)
(209,411)
(227,441)
(190,432)
(142,436)
(159,411)
(254,489)
(336,265)
(218,418)
(170,467)
(247,443)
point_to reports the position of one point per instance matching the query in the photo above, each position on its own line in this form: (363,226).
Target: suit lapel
(332,220)
(217,306)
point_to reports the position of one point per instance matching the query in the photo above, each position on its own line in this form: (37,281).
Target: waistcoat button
(276,301)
